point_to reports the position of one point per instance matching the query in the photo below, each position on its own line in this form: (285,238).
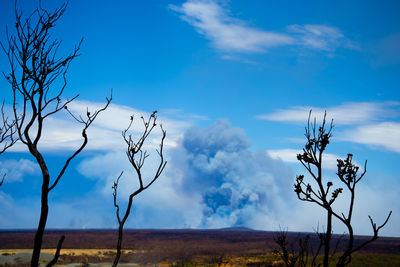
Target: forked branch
(137,157)
(7,131)
(37,77)
(86,122)
(318,137)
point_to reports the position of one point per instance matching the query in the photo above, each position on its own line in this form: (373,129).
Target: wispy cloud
(369,123)
(385,135)
(15,170)
(233,35)
(345,114)
(225,32)
(320,37)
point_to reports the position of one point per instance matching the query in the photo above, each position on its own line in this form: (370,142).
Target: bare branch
(115,191)
(376,232)
(57,255)
(7,131)
(86,124)
(2,180)
(134,150)
(35,66)
(317,140)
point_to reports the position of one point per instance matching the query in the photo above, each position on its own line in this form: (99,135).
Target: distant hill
(232,239)
(235,229)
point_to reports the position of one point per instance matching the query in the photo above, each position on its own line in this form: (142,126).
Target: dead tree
(38,78)
(321,192)
(137,156)
(292,254)
(7,135)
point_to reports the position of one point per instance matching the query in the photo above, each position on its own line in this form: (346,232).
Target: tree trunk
(119,245)
(345,258)
(44,207)
(42,225)
(328,237)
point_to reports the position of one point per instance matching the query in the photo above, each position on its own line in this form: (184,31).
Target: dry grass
(177,248)
(67,256)
(76,252)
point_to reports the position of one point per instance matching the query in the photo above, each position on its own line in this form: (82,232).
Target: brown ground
(155,246)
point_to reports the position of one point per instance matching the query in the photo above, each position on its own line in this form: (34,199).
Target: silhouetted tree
(137,156)
(38,79)
(321,192)
(296,251)
(7,135)
(292,252)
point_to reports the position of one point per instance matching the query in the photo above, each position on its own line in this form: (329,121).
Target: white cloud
(233,35)
(385,134)
(225,32)
(320,37)
(305,216)
(212,179)
(368,123)
(290,155)
(15,170)
(179,114)
(346,114)
(62,132)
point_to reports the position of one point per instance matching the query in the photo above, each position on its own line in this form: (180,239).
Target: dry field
(68,257)
(175,248)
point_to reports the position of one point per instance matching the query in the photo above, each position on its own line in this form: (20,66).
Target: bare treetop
(322,193)
(137,157)
(37,78)
(7,135)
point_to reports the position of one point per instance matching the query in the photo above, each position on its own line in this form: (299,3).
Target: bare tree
(137,156)
(291,253)
(38,79)
(7,135)
(296,251)
(317,140)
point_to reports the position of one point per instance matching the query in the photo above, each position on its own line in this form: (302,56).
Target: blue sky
(233,82)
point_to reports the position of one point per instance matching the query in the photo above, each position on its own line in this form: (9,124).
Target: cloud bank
(212,180)
(62,132)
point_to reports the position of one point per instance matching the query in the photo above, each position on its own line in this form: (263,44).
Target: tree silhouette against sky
(322,192)
(37,77)
(137,157)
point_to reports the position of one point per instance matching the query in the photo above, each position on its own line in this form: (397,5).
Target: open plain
(226,247)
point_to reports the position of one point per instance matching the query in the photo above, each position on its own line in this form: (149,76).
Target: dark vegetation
(37,78)
(189,246)
(137,157)
(324,193)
